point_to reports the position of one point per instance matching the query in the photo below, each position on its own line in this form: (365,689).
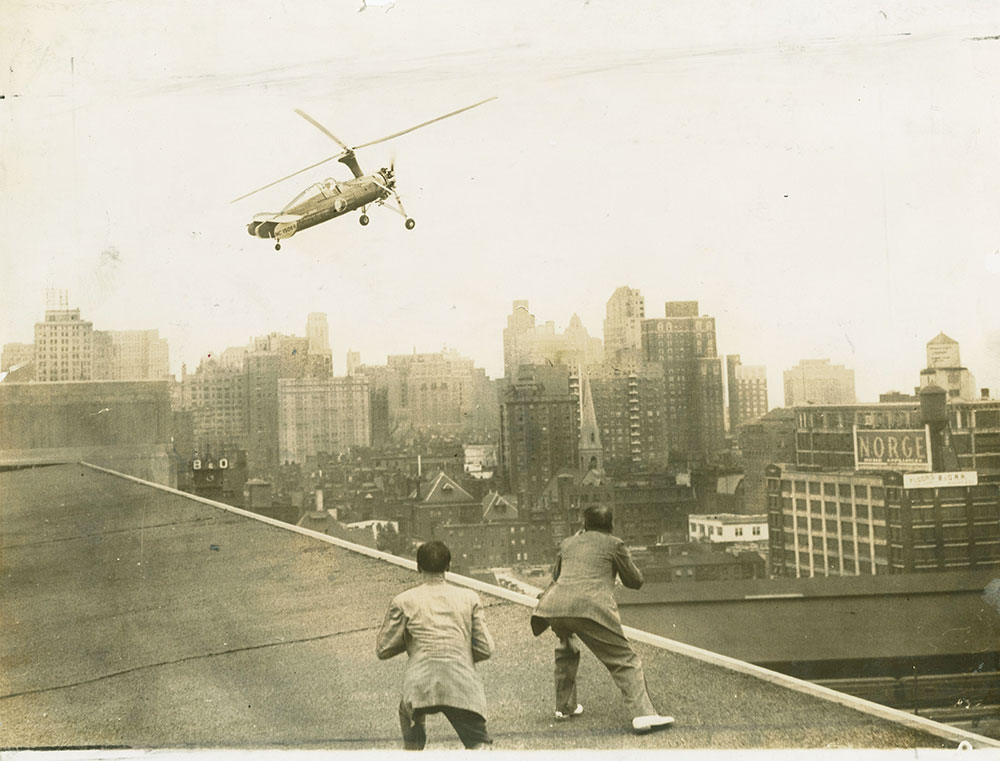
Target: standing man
(580,604)
(442,629)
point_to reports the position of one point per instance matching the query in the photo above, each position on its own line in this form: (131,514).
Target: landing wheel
(410,224)
(363,220)
(277,247)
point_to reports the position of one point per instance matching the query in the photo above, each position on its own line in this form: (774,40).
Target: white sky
(822,178)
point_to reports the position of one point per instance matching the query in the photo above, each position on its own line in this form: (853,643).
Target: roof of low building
(498,508)
(730,517)
(443,490)
(141,617)
(575,476)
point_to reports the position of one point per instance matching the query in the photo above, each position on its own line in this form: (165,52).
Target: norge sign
(906,449)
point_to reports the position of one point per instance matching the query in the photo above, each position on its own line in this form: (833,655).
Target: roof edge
(911,721)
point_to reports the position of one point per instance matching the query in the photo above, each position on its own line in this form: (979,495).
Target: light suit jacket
(442,629)
(584,581)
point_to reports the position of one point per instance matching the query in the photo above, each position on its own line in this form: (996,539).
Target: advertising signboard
(892,449)
(934,480)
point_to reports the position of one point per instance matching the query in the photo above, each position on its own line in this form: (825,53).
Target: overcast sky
(822,178)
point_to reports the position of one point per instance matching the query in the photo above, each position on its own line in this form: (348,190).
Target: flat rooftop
(138,617)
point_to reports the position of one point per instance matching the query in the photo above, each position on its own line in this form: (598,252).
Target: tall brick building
(539,432)
(630,403)
(684,344)
(747,390)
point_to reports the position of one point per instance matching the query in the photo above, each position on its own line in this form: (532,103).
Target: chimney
(984,394)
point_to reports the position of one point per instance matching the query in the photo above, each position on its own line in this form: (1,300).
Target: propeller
(348,151)
(422,124)
(322,129)
(289,176)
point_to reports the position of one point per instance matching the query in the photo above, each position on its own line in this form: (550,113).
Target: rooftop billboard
(892,449)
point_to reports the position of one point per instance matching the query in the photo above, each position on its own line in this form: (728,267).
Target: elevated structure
(944,369)
(140,629)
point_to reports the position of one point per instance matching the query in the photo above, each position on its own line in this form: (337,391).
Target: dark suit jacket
(442,629)
(584,581)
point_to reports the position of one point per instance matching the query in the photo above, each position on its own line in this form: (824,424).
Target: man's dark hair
(597,518)
(433,557)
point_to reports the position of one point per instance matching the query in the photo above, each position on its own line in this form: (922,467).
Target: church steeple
(591,451)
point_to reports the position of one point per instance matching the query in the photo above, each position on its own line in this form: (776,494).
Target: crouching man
(442,629)
(579,606)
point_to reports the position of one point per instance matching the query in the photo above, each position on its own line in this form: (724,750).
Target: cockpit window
(327,189)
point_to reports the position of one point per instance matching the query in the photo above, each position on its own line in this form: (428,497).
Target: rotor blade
(286,177)
(322,129)
(423,124)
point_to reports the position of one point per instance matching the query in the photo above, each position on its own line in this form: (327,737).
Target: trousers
(610,648)
(470,726)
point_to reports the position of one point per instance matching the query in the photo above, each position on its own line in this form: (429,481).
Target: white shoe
(644,724)
(560,716)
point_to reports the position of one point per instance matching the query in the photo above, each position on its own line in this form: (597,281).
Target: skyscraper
(816,381)
(520,325)
(64,346)
(684,344)
(135,355)
(538,430)
(626,309)
(525,343)
(353,363)
(442,392)
(630,403)
(747,392)
(216,396)
(769,440)
(322,415)
(318,333)
(271,358)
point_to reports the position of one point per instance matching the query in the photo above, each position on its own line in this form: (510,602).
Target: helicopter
(334,198)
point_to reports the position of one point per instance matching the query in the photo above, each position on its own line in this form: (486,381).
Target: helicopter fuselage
(320,202)
(329,199)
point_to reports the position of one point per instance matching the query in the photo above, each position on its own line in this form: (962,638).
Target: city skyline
(217,353)
(820,182)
